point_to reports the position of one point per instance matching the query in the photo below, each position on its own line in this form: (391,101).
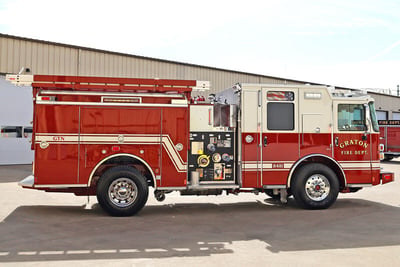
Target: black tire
(122,191)
(315,186)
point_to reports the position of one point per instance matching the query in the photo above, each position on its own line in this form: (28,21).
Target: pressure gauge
(211,147)
(226,157)
(216,157)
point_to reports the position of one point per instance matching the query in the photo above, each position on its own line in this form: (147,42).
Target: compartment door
(106,132)
(250,139)
(56,145)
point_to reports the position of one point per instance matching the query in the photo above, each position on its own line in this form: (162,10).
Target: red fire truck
(116,137)
(390,138)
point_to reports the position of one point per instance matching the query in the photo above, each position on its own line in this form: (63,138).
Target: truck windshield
(374,121)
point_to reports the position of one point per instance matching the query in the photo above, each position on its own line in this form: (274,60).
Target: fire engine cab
(116,137)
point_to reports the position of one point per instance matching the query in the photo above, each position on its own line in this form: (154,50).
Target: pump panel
(211,157)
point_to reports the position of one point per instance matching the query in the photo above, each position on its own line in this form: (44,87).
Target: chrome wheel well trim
(122,155)
(294,167)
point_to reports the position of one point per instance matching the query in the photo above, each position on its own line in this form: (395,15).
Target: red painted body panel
(79,137)
(50,161)
(158,130)
(280,152)
(358,154)
(175,125)
(355,156)
(105,121)
(319,143)
(251,153)
(390,138)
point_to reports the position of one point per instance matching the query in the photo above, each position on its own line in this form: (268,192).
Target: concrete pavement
(43,229)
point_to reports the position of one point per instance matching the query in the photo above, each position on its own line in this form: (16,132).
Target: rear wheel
(122,191)
(315,186)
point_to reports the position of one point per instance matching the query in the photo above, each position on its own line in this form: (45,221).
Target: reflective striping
(173,154)
(267,165)
(287,165)
(176,159)
(359,165)
(128,139)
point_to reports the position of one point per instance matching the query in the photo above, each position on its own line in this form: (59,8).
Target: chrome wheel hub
(317,187)
(122,192)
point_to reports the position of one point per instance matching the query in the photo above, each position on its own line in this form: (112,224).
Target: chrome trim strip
(359,185)
(29,182)
(79,146)
(172,188)
(274,186)
(108,104)
(46,92)
(59,185)
(219,186)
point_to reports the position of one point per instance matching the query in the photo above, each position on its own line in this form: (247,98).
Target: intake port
(203,161)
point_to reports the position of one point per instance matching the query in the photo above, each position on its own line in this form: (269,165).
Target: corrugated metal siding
(58,59)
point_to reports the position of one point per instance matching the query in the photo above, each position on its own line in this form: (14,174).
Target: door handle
(364,137)
(336,141)
(265,141)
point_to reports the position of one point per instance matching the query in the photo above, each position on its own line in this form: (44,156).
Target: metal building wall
(389,104)
(60,59)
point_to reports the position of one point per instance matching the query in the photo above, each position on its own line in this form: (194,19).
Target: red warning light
(115,148)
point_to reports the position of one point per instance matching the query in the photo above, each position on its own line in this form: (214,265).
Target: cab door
(280,135)
(352,141)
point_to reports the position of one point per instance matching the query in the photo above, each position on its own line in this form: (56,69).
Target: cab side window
(280,116)
(351,117)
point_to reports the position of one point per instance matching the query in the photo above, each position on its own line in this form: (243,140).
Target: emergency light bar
(20,79)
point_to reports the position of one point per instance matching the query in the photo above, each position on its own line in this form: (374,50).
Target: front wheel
(122,191)
(315,186)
